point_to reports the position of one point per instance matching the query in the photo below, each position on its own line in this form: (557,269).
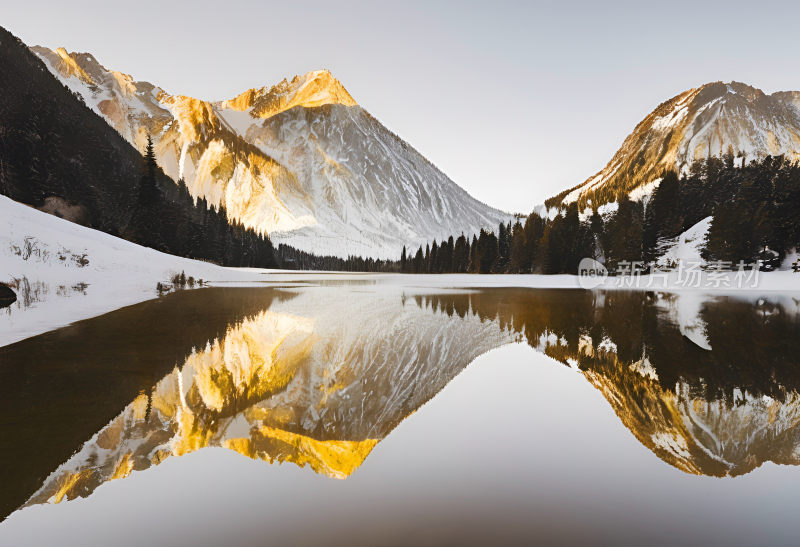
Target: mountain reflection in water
(318,376)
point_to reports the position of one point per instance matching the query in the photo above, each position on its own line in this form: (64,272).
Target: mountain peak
(710,120)
(313,89)
(320,85)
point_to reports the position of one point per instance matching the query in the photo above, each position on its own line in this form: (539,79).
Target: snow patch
(645,192)
(687,247)
(672,443)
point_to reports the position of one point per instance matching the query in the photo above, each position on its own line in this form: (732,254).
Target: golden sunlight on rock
(310,90)
(337,459)
(286,387)
(68,67)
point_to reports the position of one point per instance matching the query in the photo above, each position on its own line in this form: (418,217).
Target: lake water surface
(353,412)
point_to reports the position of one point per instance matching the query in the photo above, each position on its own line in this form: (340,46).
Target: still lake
(353,412)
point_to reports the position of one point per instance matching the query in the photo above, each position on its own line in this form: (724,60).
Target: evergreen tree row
(172,221)
(293,259)
(755,209)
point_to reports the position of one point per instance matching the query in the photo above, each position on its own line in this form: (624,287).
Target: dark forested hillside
(55,150)
(755,209)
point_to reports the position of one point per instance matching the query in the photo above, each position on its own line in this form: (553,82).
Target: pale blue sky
(513,100)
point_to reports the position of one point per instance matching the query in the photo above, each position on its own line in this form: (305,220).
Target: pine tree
(663,217)
(503,248)
(543,260)
(419,261)
(721,243)
(433,266)
(624,233)
(148,224)
(517,259)
(486,256)
(534,231)
(427,264)
(148,189)
(448,255)
(150,157)
(461,254)
(474,258)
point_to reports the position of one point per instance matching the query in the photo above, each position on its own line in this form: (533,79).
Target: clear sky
(513,100)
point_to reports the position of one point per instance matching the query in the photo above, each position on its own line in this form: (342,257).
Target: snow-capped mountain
(300,160)
(711,120)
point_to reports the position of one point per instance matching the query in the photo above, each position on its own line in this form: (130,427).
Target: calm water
(406,415)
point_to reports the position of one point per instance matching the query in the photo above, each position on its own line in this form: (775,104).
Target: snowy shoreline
(63,272)
(69,273)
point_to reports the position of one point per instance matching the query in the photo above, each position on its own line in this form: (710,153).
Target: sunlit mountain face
(317,376)
(711,120)
(300,160)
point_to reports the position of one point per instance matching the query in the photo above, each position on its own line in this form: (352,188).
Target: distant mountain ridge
(300,160)
(710,120)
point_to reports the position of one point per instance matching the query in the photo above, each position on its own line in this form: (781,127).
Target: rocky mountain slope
(711,120)
(300,160)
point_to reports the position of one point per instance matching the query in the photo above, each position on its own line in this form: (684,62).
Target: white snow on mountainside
(300,160)
(711,120)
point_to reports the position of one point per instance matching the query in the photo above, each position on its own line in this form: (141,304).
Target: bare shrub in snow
(28,293)
(80,287)
(30,248)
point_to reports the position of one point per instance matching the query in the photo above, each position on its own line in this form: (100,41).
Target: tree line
(755,209)
(168,218)
(294,259)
